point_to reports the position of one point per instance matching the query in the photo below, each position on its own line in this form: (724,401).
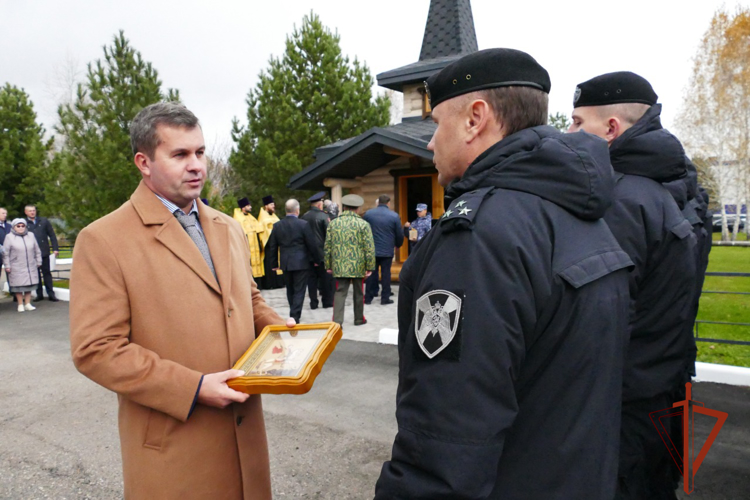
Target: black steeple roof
(449,30)
(448,34)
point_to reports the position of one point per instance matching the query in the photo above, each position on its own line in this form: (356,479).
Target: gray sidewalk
(378,316)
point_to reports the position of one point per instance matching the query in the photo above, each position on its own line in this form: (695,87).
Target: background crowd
(26,244)
(325,253)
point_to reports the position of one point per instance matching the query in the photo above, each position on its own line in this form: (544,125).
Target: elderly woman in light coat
(21,260)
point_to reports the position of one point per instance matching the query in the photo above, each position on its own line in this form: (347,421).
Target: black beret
(243,202)
(317,197)
(486,69)
(267,200)
(614,88)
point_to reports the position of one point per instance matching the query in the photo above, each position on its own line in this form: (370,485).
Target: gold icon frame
(286,360)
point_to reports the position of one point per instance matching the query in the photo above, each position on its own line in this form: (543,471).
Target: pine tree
(560,121)
(94,173)
(23,151)
(310,97)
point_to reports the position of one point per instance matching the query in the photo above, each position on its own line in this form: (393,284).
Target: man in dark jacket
(387,233)
(44,233)
(319,279)
(692,199)
(513,310)
(299,253)
(649,225)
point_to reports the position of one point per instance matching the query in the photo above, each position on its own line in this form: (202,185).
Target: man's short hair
(30,205)
(291,206)
(517,108)
(629,112)
(383,199)
(143,135)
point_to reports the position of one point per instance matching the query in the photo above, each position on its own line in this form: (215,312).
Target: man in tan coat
(163,303)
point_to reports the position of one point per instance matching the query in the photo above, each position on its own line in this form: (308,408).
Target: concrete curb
(388,336)
(722,374)
(60,293)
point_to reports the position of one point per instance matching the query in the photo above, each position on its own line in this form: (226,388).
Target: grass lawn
(61,284)
(740,236)
(721,307)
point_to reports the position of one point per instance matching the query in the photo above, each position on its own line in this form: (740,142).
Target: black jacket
(693,199)
(296,242)
(524,401)
(4,230)
(649,225)
(44,233)
(318,221)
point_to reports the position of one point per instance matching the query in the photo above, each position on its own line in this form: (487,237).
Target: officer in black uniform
(513,309)
(319,279)
(650,226)
(299,253)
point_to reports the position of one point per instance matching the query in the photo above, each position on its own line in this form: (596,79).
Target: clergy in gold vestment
(267,218)
(252,229)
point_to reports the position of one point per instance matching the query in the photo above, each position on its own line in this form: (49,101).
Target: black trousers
(646,469)
(320,280)
(47,274)
(296,282)
(371,283)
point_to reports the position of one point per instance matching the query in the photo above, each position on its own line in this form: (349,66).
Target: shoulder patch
(461,213)
(683,229)
(437,322)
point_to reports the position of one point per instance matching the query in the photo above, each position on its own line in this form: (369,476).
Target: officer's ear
(614,129)
(479,119)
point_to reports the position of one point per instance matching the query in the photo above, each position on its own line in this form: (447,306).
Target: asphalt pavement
(58,430)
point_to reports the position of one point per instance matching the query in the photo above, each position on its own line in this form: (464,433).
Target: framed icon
(286,360)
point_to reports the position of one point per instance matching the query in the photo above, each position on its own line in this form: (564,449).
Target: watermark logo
(686,410)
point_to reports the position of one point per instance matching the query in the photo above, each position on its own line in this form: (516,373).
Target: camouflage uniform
(422,225)
(349,253)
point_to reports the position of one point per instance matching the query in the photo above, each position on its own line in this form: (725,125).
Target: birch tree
(715,119)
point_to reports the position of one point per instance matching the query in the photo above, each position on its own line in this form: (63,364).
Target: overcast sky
(213,51)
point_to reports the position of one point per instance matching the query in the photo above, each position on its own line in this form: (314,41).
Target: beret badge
(577,95)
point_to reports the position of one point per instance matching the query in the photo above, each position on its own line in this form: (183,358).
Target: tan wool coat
(147,319)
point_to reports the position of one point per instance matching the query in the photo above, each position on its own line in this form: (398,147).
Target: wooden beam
(344,183)
(396,152)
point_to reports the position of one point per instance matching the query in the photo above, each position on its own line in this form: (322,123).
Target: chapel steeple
(448,34)
(449,30)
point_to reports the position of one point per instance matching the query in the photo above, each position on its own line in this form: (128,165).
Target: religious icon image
(284,355)
(286,360)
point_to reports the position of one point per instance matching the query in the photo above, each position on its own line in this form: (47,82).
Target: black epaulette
(461,213)
(691,212)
